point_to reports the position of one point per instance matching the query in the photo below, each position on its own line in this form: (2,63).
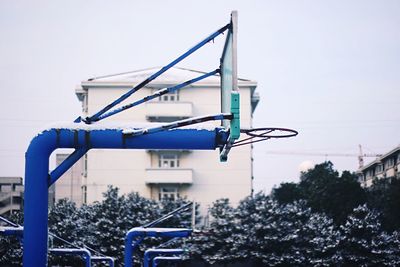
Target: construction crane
(360,155)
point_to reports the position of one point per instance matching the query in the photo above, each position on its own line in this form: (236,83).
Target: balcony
(10,208)
(163,109)
(169,176)
(6,196)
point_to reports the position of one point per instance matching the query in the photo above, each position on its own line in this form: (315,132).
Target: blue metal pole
(110,260)
(157,94)
(12,231)
(36,200)
(37,169)
(159,259)
(66,164)
(149,232)
(178,124)
(128,253)
(150,253)
(95,117)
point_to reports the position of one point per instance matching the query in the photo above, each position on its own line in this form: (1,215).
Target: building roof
(380,159)
(173,76)
(370,165)
(391,152)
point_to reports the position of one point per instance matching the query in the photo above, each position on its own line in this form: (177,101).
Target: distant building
(158,174)
(11,195)
(69,185)
(386,166)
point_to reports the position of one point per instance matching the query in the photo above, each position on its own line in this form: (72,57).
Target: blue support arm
(177,124)
(157,94)
(82,136)
(66,164)
(96,116)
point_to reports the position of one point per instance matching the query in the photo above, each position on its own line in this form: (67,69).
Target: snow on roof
(174,75)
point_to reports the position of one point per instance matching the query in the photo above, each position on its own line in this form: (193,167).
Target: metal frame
(82,252)
(234,97)
(140,233)
(110,260)
(37,169)
(158,94)
(96,117)
(151,253)
(158,259)
(38,178)
(18,231)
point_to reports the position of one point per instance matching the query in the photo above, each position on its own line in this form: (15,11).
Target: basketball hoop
(263,134)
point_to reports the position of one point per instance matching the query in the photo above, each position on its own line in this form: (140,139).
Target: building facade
(69,185)
(11,195)
(157,174)
(386,166)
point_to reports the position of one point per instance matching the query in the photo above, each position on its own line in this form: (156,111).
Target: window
(379,168)
(84,194)
(170,97)
(85,165)
(168,160)
(389,163)
(168,192)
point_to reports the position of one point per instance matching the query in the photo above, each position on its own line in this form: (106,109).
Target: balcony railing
(169,176)
(160,109)
(10,208)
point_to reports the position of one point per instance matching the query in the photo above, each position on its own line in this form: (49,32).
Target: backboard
(229,83)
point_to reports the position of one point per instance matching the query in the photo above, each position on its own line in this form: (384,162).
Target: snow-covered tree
(284,235)
(215,244)
(363,243)
(11,246)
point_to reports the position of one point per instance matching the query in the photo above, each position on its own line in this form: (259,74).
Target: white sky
(330,69)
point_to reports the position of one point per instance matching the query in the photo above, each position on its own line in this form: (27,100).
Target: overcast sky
(329,69)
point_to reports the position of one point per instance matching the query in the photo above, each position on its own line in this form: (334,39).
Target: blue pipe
(110,260)
(157,94)
(37,169)
(149,232)
(158,259)
(84,253)
(66,164)
(96,116)
(12,231)
(150,253)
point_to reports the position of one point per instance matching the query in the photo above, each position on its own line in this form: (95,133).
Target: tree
(102,225)
(283,235)
(11,246)
(183,219)
(62,223)
(287,193)
(363,243)
(216,245)
(327,192)
(384,197)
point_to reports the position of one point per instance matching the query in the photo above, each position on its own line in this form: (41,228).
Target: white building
(386,166)
(11,195)
(197,175)
(70,184)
